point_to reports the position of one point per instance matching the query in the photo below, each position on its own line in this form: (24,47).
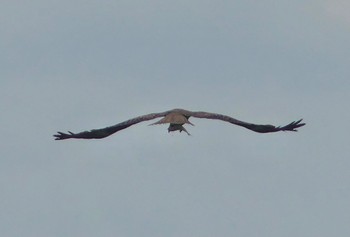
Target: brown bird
(176,118)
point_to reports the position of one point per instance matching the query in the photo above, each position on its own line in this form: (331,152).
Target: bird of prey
(176,118)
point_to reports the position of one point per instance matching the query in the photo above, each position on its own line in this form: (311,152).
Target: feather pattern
(176,118)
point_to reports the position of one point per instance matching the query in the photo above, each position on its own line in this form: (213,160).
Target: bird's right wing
(254,127)
(105,132)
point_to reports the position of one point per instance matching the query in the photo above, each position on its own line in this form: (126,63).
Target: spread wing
(105,132)
(254,127)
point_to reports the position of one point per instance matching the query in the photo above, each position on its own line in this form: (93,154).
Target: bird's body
(176,118)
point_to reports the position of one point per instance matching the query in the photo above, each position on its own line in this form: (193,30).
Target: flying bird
(176,119)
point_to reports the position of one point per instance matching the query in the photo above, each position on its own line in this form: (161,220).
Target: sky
(79,65)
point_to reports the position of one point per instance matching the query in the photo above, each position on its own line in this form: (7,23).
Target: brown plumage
(176,118)
(176,121)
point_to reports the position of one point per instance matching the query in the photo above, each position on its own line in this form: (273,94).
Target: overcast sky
(78,65)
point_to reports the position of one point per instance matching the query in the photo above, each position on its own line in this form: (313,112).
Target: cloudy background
(78,65)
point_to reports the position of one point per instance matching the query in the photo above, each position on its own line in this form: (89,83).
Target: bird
(176,118)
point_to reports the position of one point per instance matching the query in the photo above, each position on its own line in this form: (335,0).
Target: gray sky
(79,65)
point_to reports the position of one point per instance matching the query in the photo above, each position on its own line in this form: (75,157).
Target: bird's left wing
(254,127)
(105,132)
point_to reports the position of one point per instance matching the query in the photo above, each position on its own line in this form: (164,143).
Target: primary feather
(176,118)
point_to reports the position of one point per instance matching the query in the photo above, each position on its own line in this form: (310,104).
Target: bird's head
(174,127)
